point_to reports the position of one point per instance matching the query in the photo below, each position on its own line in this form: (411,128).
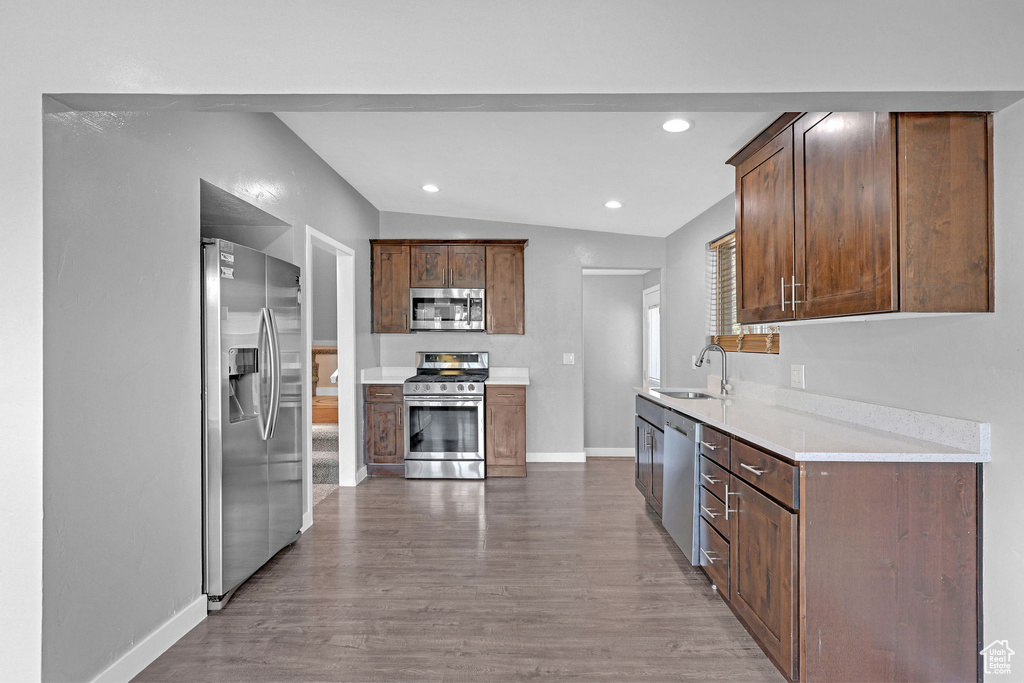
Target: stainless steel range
(444,416)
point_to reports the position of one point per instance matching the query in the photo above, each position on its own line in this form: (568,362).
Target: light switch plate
(568,359)
(796,376)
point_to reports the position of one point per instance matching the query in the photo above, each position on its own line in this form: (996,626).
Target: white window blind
(723,326)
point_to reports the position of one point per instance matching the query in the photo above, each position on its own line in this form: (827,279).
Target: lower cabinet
(847,570)
(649,453)
(763,564)
(505,430)
(383,430)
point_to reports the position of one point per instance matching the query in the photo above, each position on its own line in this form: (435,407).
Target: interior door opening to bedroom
(332,406)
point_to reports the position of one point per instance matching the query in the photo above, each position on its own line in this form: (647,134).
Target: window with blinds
(724,328)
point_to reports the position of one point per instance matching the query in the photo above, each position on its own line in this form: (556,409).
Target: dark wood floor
(562,575)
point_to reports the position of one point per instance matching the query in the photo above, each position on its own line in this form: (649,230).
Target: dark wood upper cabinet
(506,293)
(429,266)
(850,213)
(764,231)
(496,265)
(390,291)
(845,181)
(437,265)
(763,567)
(945,178)
(466,266)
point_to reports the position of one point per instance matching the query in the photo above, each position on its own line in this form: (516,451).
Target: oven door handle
(457,402)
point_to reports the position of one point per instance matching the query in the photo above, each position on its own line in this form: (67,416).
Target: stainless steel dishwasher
(679,499)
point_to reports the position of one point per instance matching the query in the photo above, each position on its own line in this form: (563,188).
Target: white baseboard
(307,521)
(360,474)
(131,663)
(556,457)
(609,452)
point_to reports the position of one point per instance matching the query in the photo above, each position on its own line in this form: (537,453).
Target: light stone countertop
(397,375)
(800,435)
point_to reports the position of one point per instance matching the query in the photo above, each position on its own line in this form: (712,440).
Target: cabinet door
(466,266)
(657,469)
(846,213)
(384,434)
(764,232)
(763,571)
(506,298)
(429,267)
(642,461)
(506,436)
(390,288)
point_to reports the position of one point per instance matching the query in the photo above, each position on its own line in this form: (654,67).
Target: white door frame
(348,405)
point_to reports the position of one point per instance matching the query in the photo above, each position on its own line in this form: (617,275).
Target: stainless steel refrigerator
(252,413)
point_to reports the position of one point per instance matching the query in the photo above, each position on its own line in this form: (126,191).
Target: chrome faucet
(725,364)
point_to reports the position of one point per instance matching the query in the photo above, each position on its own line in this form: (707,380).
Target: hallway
(562,575)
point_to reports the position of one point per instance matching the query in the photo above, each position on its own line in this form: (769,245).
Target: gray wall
(121,463)
(968,366)
(555,259)
(612,357)
(325,299)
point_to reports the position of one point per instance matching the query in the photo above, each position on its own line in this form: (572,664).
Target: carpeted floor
(325,460)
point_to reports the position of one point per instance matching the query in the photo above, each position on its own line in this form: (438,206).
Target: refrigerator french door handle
(265,365)
(275,376)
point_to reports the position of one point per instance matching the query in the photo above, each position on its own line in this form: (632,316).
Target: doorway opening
(330,393)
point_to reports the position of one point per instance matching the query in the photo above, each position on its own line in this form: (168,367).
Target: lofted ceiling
(539,168)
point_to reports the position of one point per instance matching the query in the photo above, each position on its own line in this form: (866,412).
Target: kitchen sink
(681,394)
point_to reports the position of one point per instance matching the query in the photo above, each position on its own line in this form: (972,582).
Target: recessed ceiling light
(677,125)
(613,204)
(431,188)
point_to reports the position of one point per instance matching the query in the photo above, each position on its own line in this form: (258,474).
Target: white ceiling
(540,168)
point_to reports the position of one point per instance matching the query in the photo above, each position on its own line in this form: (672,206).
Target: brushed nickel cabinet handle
(705,554)
(711,480)
(451,277)
(727,494)
(794,284)
(382,394)
(507,395)
(710,513)
(710,447)
(783,293)
(751,468)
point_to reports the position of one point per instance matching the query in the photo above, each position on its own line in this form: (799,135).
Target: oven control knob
(461,388)
(444,387)
(471,387)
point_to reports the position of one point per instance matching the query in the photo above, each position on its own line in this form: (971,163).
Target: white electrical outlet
(568,359)
(796,376)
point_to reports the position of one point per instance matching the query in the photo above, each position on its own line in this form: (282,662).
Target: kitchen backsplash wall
(554,263)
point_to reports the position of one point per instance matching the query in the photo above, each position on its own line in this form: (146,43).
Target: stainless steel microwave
(446,309)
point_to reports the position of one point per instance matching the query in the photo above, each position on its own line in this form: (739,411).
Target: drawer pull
(751,468)
(709,446)
(709,512)
(506,395)
(707,555)
(711,480)
(382,394)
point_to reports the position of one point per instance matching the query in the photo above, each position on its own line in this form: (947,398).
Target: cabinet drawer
(715,445)
(650,411)
(505,395)
(766,472)
(714,478)
(383,393)
(714,557)
(713,510)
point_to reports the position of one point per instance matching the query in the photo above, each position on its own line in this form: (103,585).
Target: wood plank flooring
(562,575)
